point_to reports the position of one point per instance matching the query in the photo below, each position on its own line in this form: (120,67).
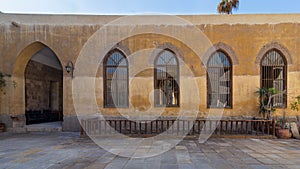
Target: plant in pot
(266,106)
(282,129)
(265,101)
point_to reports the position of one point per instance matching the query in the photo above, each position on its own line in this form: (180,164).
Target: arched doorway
(43,80)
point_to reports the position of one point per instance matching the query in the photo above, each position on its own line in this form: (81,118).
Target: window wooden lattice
(166,80)
(116,80)
(219,81)
(273,75)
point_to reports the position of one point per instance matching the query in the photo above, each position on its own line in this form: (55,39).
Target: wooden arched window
(115,80)
(273,75)
(219,81)
(166,79)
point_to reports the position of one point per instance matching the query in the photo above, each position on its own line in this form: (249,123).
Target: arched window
(115,80)
(219,81)
(273,75)
(166,80)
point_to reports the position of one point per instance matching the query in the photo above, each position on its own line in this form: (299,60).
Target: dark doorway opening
(43,88)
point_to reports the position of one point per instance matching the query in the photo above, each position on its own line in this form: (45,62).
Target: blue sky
(143,6)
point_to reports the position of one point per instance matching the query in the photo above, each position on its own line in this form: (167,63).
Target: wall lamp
(70,68)
(15,23)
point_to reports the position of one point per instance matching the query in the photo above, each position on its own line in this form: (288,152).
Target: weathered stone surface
(295,132)
(38,85)
(18,121)
(66,36)
(291,119)
(6,119)
(68,150)
(70,123)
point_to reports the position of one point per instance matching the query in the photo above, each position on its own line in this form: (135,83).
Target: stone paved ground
(68,150)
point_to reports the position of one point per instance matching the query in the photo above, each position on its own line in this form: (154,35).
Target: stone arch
(167,46)
(123,48)
(271,46)
(119,47)
(24,56)
(18,75)
(223,48)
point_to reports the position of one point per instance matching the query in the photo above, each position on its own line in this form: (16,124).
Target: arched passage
(39,76)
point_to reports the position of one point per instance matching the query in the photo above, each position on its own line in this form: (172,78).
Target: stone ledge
(17,130)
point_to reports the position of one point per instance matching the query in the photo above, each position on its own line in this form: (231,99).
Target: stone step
(34,129)
(45,127)
(17,130)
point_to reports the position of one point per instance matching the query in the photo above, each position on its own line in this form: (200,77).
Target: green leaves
(226,6)
(295,105)
(265,106)
(3,81)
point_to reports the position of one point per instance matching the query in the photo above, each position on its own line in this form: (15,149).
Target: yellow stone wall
(246,35)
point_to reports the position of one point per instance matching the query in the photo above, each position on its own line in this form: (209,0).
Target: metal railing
(146,128)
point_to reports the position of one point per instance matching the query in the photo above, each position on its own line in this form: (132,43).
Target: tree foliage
(265,100)
(226,6)
(295,105)
(3,82)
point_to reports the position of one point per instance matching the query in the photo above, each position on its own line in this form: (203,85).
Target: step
(45,127)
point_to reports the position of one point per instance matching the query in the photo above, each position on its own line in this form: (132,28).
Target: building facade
(160,64)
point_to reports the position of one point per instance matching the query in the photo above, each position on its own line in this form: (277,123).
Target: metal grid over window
(166,80)
(273,75)
(116,80)
(219,81)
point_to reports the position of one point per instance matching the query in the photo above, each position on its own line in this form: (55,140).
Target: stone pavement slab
(68,150)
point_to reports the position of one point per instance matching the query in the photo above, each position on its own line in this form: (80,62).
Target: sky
(143,6)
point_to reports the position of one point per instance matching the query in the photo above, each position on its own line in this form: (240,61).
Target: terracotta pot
(283,133)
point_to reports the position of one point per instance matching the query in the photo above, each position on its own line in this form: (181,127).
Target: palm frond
(226,6)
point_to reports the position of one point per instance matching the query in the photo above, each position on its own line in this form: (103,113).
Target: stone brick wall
(38,78)
(246,39)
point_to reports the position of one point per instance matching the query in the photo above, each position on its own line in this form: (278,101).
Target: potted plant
(265,101)
(295,107)
(266,96)
(282,129)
